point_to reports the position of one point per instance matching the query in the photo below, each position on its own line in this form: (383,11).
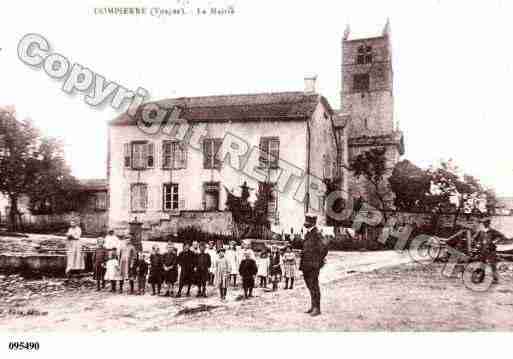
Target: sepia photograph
(257,167)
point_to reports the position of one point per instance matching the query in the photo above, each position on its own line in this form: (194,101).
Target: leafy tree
(30,165)
(411,186)
(371,165)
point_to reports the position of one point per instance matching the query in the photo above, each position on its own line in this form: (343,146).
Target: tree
(371,165)
(30,164)
(411,186)
(436,190)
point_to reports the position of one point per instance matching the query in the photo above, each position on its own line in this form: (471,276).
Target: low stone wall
(218,222)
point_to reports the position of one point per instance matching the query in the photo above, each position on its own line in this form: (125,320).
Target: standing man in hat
(486,241)
(312,260)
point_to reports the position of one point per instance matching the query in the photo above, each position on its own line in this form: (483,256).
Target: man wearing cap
(312,260)
(486,241)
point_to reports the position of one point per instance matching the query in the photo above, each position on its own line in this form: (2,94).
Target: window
(364,55)
(139,155)
(269,152)
(101,201)
(139,197)
(170,196)
(174,155)
(211,196)
(211,155)
(361,82)
(272,204)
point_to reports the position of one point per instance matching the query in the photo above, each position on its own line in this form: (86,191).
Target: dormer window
(364,55)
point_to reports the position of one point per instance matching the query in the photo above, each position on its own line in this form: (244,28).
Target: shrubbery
(190,234)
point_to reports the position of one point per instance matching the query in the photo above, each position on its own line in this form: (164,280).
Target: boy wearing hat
(203,263)
(187,262)
(101,255)
(312,260)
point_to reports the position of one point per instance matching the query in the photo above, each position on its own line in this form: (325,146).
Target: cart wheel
(477,276)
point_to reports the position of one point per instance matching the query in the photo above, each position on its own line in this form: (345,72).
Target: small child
(141,271)
(263,268)
(101,255)
(203,263)
(156,268)
(112,272)
(289,267)
(275,267)
(222,273)
(247,270)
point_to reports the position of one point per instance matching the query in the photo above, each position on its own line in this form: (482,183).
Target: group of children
(197,265)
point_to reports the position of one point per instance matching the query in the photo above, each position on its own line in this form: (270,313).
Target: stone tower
(367,99)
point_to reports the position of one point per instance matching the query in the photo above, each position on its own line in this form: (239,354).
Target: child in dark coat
(203,263)
(155,278)
(141,271)
(101,255)
(187,262)
(247,270)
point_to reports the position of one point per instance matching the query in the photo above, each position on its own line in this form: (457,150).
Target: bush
(189,234)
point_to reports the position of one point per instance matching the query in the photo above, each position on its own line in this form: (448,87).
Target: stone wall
(219,222)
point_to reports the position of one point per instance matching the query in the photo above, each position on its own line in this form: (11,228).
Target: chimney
(310,87)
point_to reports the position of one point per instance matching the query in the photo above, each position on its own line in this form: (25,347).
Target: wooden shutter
(274,152)
(127,155)
(217,152)
(182,155)
(149,155)
(207,153)
(264,148)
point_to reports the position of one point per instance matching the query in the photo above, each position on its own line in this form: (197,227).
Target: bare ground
(378,291)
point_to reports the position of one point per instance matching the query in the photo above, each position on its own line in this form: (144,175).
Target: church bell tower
(367,99)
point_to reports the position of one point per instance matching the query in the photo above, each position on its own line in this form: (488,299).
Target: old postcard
(253,166)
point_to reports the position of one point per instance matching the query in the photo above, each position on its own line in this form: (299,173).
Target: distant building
(504,206)
(90,209)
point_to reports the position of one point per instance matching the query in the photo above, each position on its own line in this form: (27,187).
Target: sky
(452,67)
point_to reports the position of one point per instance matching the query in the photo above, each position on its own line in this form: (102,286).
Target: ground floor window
(170,196)
(211,192)
(139,197)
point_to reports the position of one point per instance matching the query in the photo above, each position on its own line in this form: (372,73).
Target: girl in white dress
(233,259)
(263,268)
(112,272)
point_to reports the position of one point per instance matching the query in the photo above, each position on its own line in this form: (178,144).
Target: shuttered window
(269,152)
(211,155)
(139,155)
(174,155)
(170,196)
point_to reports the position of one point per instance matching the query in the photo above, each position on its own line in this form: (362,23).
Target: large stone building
(169,173)
(177,173)
(367,102)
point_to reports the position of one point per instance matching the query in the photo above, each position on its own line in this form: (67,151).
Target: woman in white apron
(75,258)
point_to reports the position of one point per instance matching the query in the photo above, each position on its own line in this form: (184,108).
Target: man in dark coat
(187,262)
(312,260)
(485,244)
(203,263)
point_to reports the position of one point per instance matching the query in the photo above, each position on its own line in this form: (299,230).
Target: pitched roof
(248,107)
(93,184)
